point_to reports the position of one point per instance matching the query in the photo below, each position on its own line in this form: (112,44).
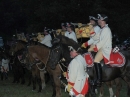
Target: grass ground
(9,89)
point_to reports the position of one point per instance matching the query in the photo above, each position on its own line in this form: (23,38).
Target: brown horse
(33,69)
(42,53)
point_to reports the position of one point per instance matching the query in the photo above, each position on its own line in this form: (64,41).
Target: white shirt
(47,40)
(71,35)
(5,64)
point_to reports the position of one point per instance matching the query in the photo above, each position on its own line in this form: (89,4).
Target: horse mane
(31,42)
(68,41)
(21,41)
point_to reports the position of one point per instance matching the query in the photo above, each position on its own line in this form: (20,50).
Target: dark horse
(108,73)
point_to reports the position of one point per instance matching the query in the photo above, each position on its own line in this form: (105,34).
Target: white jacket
(71,35)
(77,73)
(5,65)
(105,41)
(47,40)
(94,39)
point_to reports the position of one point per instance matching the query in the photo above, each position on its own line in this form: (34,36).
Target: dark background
(30,16)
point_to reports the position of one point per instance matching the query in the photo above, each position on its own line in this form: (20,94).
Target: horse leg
(57,84)
(92,90)
(118,86)
(42,76)
(40,84)
(53,86)
(109,84)
(2,75)
(101,90)
(33,80)
(47,77)
(22,75)
(127,80)
(128,91)
(30,78)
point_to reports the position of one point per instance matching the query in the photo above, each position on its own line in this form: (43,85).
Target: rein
(39,62)
(45,63)
(61,61)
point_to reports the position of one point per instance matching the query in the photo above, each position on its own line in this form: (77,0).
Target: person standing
(4,67)
(77,76)
(103,47)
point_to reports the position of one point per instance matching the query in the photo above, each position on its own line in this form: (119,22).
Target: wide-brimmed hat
(69,25)
(75,48)
(93,18)
(102,17)
(63,24)
(47,30)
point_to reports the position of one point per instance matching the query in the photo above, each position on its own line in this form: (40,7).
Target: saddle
(116,59)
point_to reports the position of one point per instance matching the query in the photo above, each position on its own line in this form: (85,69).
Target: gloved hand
(71,93)
(64,74)
(84,45)
(68,87)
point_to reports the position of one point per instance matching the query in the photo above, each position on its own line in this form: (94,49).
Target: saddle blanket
(116,59)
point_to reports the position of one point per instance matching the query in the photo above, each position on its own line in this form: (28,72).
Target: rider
(93,38)
(70,32)
(76,76)
(103,47)
(47,38)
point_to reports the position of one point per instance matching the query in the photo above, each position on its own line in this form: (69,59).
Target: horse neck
(66,53)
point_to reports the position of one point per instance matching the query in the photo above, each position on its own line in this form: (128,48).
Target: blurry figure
(47,38)
(4,68)
(70,32)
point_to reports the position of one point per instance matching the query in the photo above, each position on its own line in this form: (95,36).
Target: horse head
(60,50)
(18,45)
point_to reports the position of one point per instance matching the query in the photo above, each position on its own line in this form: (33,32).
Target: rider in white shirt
(47,38)
(70,32)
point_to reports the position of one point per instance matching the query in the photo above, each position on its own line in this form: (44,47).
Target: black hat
(63,24)
(76,48)
(69,24)
(102,17)
(47,30)
(92,18)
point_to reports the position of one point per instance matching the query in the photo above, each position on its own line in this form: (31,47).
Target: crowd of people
(100,42)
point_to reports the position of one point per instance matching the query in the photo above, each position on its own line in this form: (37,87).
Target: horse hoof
(33,91)
(38,91)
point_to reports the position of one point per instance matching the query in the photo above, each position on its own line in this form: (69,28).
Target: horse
(42,53)
(21,45)
(108,73)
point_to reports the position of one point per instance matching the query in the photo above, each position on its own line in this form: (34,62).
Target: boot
(98,70)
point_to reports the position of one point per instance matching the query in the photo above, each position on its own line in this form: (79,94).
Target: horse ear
(60,34)
(54,33)
(55,40)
